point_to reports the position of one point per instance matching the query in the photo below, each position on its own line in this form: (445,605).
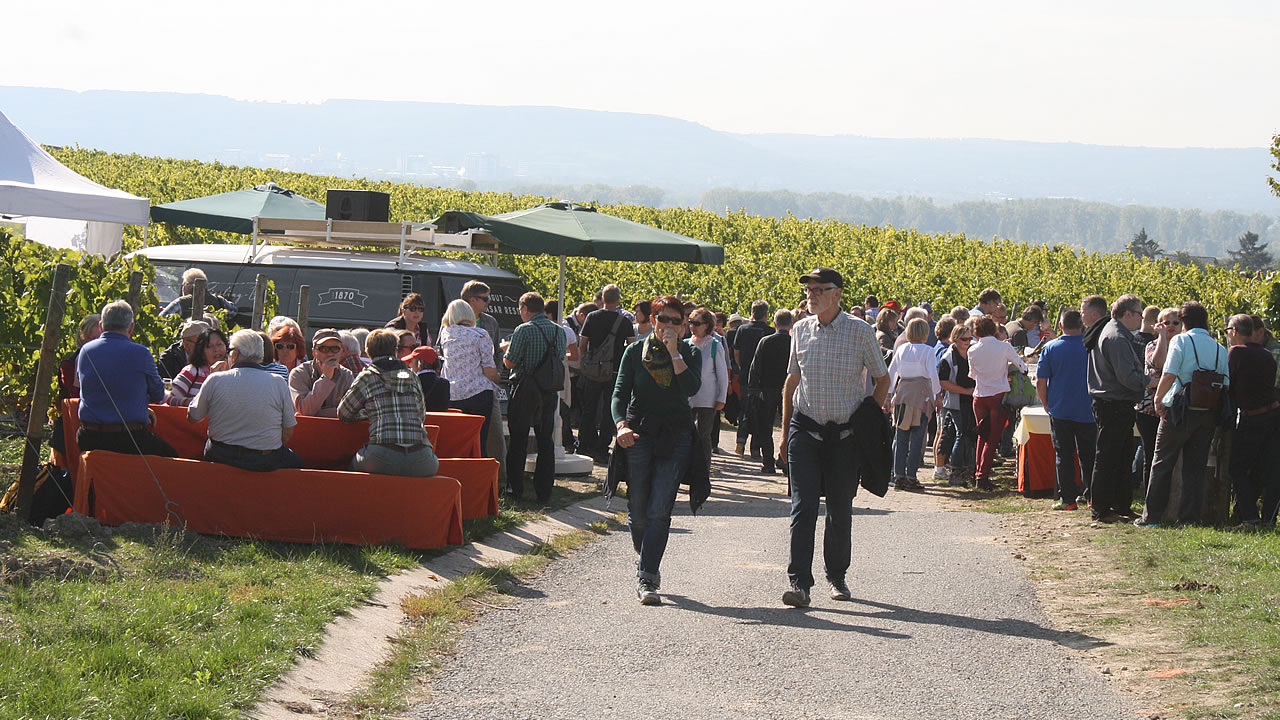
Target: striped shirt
(831,361)
(187,385)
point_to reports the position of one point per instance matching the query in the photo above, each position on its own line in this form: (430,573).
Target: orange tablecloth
(479,479)
(459,434)
(290,505)
(1036,465)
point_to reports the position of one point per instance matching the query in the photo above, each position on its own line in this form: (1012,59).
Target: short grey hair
(350,342)
(189,279)
(117,316)
(1124,304)
(458,312)
(249,344)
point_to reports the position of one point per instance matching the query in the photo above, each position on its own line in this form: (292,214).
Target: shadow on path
(784,617)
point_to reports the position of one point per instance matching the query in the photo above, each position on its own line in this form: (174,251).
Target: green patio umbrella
(566,229)
(235,211)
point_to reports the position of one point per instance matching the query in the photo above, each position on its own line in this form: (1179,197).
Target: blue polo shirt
(1064,364)
(116,372)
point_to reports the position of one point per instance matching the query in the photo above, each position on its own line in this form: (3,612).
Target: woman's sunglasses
(286,346)
(670,320)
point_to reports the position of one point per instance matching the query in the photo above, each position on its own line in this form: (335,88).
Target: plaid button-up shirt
(529,344)
(390,395)
(832,361)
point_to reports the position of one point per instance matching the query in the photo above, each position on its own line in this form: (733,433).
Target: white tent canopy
(35,185)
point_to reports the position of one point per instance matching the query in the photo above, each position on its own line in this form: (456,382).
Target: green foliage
(763,255)
(1252,255)
(25,285)
(1142,246)
(1275,165)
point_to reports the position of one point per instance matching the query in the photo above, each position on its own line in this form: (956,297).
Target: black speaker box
(366,205)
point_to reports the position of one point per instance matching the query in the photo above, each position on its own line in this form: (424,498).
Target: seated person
(249,409)
(390,396)
(176,356)
(182,305)
(269,357)
(117,379)
(317,385)
(352,352)
(208,356)
(435,389)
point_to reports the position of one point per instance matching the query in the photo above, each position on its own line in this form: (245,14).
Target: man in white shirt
(250,413)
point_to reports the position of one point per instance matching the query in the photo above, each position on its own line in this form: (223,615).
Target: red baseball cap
(425,353)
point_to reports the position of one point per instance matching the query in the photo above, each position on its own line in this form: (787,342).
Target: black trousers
(542,420)
(596,431)
(765,406)
(1112,491)
(142,442)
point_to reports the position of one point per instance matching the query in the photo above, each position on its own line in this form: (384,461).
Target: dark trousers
(597,419)
(251,460)
(1147,426)
(746,421)
(478,404)
(542,420)
(1191,439)
(765,409)
(1255,451)
(1111,492)
(811,475)
(1071,439)
(131,442)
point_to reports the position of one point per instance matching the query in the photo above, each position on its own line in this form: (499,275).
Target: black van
(349,288)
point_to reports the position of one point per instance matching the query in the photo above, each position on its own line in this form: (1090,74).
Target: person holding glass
(654,422)
(468,364)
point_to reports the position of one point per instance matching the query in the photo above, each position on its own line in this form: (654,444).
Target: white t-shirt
(246,407)
(989,360)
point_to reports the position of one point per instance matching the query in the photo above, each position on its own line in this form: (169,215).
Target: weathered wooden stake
(135,289)
(304,307)
(40,393)
(197,299)
(259,301)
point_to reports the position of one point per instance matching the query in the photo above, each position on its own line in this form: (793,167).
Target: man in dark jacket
(177,356)
(745,341)
(1116,382)
(767,376)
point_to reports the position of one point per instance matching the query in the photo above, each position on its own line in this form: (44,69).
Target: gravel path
(943,624)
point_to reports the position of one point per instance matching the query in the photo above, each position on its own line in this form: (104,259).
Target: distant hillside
(493,147)
(1093,226)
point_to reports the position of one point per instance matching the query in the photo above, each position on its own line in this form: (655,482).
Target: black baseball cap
(823,275)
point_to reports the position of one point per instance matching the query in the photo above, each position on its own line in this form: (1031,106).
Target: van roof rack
(403,237)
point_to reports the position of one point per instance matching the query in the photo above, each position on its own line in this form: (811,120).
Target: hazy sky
(1170,73)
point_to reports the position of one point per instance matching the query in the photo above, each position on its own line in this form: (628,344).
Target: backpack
(1022,391)
(50,498)
(1206,385)
(598,362)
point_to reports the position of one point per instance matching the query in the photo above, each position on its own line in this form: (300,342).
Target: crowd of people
(1129,390)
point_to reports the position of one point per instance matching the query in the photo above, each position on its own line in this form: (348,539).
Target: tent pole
(562,266)
(146,234)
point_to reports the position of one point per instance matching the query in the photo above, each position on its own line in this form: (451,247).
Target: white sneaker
(940,473)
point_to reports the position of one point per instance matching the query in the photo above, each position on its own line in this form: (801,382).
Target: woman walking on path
(989,361)
(913,376)
(654,424)
(715,377)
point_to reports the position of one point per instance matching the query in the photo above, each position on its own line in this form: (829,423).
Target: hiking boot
(984,485)
(647,592)
(1065,506)
(796,597)
(839,589)
(740,449)
(768,469)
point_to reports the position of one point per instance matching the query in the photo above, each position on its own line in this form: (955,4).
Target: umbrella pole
(566,464)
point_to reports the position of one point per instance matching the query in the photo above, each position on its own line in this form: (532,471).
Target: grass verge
(1190,615)
(147,622)
(435,617)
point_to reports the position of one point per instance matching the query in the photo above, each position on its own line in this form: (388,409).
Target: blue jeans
(247,459)
(963,450)
(651,494)
(908,450)
(811,475)
(381,460)
(1072,438)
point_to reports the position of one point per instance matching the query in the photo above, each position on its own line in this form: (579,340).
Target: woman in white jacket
(913,376)
(715,377)
(989,361)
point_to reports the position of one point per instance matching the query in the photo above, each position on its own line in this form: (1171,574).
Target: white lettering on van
(349,296)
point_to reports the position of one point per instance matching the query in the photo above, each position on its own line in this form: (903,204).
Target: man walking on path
(825,384)
(535,355)
(1063,386)
(603,326)
(765,381)
(745,342)
(1116,382)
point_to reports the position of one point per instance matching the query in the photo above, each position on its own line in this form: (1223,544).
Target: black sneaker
(796,597)
(647,592)
(839,590)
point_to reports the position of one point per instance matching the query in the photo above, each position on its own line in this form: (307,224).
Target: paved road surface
(943,624)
